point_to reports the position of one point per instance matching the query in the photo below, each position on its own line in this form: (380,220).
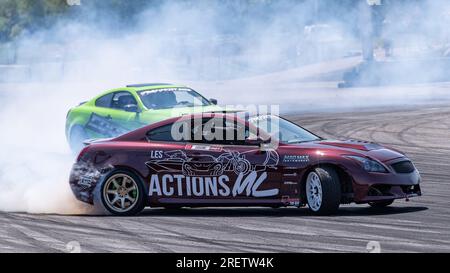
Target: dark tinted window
(122,99)
(104,101)
(282,129)
(162,133)
(219,131)
(207,131)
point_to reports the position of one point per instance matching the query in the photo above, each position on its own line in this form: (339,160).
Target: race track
(421,225)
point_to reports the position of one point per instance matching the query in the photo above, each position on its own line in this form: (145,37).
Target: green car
(121,110)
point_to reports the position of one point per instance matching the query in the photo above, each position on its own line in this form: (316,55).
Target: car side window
(163,133)
(122,99)
(219,131)
(236,132)
(104,101)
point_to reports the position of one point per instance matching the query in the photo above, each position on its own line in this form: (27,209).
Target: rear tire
(381,204)
(323,191)
(122,193)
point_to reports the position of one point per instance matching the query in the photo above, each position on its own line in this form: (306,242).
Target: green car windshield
(172,97)
(283,130)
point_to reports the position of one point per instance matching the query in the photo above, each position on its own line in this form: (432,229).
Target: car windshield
(172,97)
(283,130)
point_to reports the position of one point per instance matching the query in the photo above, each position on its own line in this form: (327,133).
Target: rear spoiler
(88,142)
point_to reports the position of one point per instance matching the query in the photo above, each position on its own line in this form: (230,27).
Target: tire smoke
(287,52)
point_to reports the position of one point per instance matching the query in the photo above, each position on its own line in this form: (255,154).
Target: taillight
(82,153)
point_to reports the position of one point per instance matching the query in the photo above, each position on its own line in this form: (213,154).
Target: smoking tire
(76,138)
(121,193)
(323,191)
(381,204)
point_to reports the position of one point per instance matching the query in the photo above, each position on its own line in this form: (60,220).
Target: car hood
(352,144)
(361,148)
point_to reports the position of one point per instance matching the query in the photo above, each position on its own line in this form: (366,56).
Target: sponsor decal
(296,159)
(104,126)
(156,154)
(86,181)
(181,185)
(214,148)
(168,89)
(86,175)
(177,174)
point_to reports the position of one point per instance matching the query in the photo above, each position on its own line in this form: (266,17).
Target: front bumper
(371,187)
(380,192)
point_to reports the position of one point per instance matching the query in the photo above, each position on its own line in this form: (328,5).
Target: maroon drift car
(238,160)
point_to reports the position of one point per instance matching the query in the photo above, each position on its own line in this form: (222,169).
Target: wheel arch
(345,179)
(99,201)
(132,170)
(135,172)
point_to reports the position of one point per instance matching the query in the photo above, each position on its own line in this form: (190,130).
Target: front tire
(381,204)
(122,193)
(323,191)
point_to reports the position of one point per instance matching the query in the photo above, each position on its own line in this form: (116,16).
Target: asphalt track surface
(421,225)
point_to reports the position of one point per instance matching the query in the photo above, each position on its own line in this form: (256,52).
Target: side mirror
(131,108)
(213,101)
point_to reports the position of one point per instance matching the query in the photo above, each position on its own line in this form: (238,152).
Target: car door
(182,172)
(230,170)
(163,157)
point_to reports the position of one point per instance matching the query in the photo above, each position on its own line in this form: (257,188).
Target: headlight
(369,164)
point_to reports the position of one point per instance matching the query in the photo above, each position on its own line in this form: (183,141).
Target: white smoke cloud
(35,160)
(275,53)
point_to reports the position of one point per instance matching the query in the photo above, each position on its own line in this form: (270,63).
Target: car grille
(403,167)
